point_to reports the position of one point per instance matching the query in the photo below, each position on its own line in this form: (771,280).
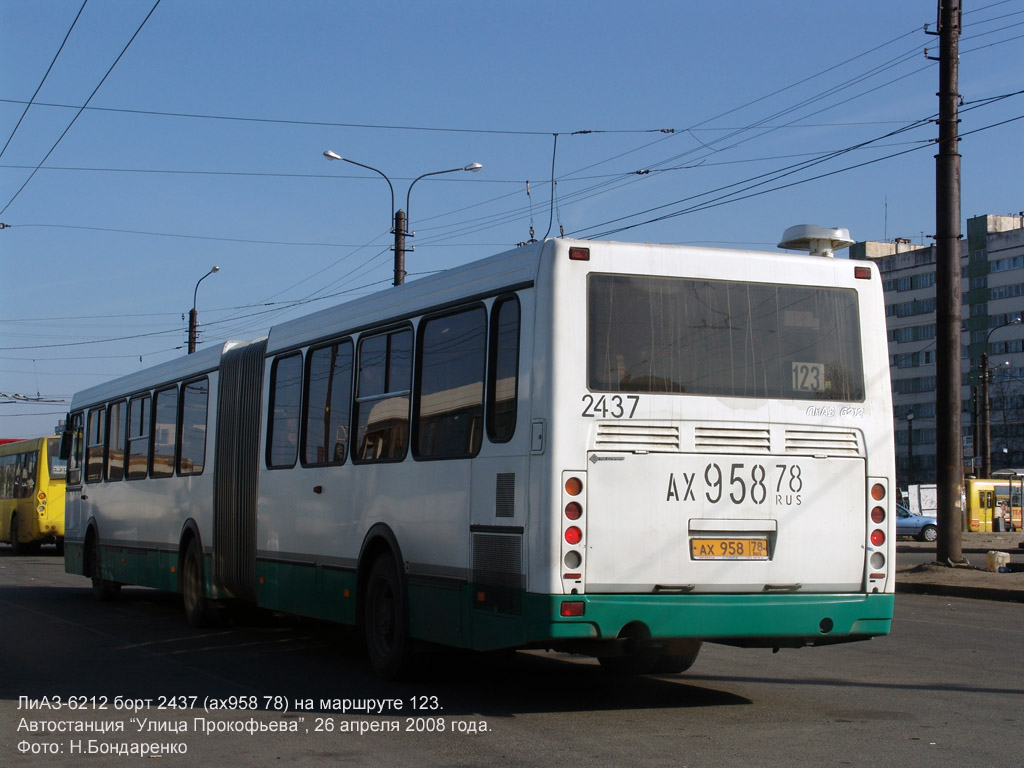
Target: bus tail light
(41,496)
(579,253)
(572,608)
(876,565)
(862,273)
(573,513)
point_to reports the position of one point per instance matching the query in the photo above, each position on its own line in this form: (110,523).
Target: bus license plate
(729,548)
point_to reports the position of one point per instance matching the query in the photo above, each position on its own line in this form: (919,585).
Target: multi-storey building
(992,284)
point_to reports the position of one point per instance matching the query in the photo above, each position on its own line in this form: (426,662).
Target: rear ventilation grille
(498,573)
(815,443)
(645,437)
(732,440)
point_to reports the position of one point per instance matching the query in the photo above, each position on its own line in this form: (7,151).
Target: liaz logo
(594,458)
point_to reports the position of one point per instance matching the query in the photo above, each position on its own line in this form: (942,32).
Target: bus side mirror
(67,439)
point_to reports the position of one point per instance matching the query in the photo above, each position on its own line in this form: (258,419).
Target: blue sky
(203,146)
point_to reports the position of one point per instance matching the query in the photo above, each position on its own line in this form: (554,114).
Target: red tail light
(877,538)
(878,515)
(573,535)
(573,608)
(578,253)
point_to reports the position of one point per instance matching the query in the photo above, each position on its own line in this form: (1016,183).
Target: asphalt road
(945,688)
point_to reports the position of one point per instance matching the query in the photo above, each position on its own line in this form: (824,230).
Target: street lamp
(910,447)
(193,316)
(986,426)
(399,218)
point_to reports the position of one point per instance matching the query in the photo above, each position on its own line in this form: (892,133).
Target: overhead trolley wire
(28,104)
(82,108)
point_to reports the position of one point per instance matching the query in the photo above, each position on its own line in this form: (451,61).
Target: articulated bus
(31,494)
(612,449)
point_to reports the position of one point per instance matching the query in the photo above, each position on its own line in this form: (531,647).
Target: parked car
(921,527)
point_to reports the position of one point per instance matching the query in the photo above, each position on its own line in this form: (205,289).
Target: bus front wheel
(386,621)
(17,546)
(104,590)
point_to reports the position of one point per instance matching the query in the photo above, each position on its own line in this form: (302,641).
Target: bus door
(72,449)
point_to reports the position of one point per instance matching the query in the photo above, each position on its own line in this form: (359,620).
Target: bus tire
(676,663)
(199,609)
(16,546)
(104,590)
(386,621)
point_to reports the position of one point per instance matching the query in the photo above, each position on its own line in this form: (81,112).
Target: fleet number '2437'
(610,406)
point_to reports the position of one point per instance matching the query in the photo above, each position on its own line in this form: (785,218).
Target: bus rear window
(729,339)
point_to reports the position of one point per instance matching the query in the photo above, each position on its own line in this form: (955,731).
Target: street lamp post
(400,218)
(193,316)
(986,426)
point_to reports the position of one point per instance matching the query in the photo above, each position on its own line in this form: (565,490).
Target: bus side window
(450,386)
(503,379)
(165,425)
(328,404)
(138,437)
(77,449)
(6,463)
(285,392)
(195,397)
(115,441)
(382,397)
(95,437)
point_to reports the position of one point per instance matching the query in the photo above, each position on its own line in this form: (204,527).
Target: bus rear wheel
(199,609)
(386,621)
(680,659)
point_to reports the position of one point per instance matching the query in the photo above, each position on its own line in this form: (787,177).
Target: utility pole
(400,224)
(910,448)
(949,445)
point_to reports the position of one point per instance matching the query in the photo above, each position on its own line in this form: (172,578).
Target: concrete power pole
(949,445)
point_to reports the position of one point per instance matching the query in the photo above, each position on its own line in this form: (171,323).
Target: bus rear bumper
(760,620)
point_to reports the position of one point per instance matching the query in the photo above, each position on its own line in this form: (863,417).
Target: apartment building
(992,285)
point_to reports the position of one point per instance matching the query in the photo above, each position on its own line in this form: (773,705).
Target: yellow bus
(32,480)
(993,503)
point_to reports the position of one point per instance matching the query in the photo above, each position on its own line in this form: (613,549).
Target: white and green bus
(613,449)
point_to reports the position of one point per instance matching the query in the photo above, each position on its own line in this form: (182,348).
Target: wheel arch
(92,537)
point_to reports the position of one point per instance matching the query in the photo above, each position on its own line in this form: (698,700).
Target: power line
(78,114)
(328,124)
(28,104)
(726,199)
